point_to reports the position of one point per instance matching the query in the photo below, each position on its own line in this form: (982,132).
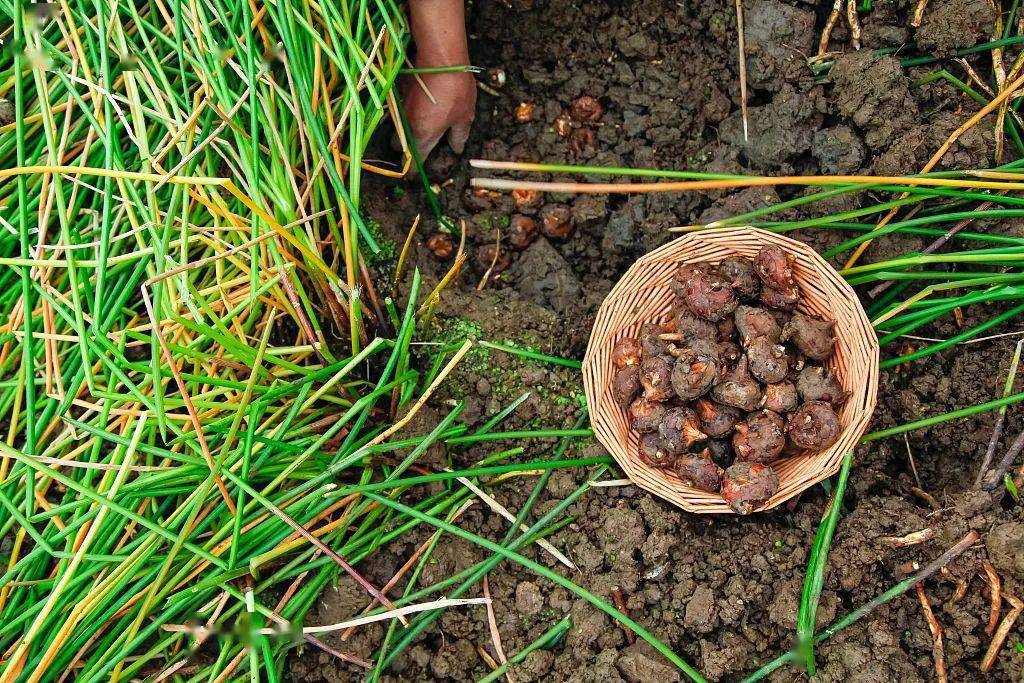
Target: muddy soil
(722,591)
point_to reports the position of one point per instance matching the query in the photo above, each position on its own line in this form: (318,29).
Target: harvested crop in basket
(733,381)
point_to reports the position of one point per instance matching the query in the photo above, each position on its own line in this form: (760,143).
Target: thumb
(458,135)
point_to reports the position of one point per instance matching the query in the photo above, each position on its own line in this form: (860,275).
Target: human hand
(439,29)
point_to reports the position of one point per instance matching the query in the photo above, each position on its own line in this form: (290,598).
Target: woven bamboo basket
(643,295)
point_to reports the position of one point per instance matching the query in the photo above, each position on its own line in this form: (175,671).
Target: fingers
(458,135)
(425,144)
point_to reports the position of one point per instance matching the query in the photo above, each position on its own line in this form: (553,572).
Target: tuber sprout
(656,378)
(651,343)
(768,361)
(817,384)
(813,336)
(749,485)
(693,374)
(814,425)
(679,430)
(738,271)
(715,418)
(780,397)
(646,415)
(738,388)
(704,293)
(760,438)
(699,471)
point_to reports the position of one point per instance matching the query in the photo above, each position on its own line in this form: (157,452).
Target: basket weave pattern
(643,295)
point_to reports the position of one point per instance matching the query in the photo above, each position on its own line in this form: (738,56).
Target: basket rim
(633,290)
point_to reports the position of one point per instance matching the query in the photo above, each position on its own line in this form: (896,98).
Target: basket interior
(643,295)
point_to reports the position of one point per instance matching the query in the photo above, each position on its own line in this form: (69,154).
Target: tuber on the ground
(749,485)
(522,231)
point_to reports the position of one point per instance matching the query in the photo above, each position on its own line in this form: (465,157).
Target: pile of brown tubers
(733,381)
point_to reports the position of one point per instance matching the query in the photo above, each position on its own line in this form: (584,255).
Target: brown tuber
(525,112)
(441,245)
(493,258)
(693,375)
(626,352)
(626,385)
(814,425)
(563,124)
(715,418)
(651,343)
(768,362)
(817,384)
(522,231)
(646,415)
(679,430)
(738,388)
(653,451)
(704,293)
(775,268)
(582,139)
(738,271)
(748,486)
(780,397)
(689,326)
(496,77)
(526,200)
(556,222)
(813,336)
(480,199)
(760,438)
(784,300)
(753,322)
(699,471)
(585,109)
(656,378)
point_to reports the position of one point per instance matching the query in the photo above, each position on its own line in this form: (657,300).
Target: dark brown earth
(722,591)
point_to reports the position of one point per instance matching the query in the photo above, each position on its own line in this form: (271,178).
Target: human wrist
(439,30)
